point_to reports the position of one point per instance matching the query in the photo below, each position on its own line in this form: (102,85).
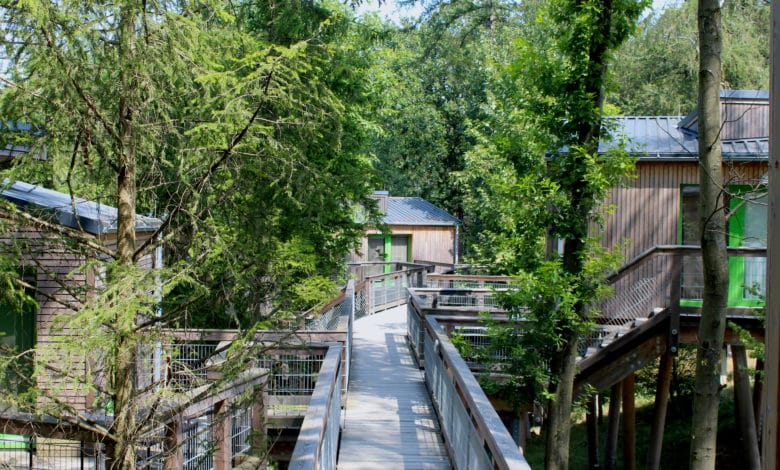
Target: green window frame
(735,237)
(387,244)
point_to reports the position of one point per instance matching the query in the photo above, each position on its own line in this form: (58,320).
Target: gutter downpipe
(158,352)
(457,242)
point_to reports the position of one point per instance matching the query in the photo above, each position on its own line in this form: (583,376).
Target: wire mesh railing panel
(198,443)
(150,452)
(414,329)
(466,284)
(187,363)
(361,303)
(692,278)
(240,430)
(331,441)
(26,452)
(634,301)
(455,419)
(475,300)
(292,374)
(388,291)
(334,319)
(481,345)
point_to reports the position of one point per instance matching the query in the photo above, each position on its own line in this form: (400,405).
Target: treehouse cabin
(660,206)
(54,264)
(416,231)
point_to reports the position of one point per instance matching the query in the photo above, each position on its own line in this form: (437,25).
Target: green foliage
(543,309)
(433,82)
(241,125)
(655,72)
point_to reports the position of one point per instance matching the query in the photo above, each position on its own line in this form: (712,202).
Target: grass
(677,438)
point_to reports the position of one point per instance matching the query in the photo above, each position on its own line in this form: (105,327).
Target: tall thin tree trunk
(559,408)
(125,379)
(713,242)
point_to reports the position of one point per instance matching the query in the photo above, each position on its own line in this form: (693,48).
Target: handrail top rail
(479,290)
(681,250)
(488,423)
(393,274)
(470,277)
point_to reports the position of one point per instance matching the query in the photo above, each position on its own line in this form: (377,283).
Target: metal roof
(12,151)
(91,217)
(662,138)
(416,211)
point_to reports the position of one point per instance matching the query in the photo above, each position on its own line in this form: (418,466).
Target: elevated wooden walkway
(389,419)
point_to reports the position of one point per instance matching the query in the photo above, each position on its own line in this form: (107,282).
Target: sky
(391,11)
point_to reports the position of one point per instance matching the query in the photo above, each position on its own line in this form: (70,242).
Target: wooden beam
(771,436)
(663,384)
(629,424)
(744,408)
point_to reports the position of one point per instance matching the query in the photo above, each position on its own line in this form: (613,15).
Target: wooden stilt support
(613,428)
(524,430)
(758,397)
(663,383)
(629,424)
(592,421)
(744,407)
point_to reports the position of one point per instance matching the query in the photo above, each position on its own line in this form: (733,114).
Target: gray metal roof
(91,217)
(661,138)
(744,94)
(416,211)
(12,151)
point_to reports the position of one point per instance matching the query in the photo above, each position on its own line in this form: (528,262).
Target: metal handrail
(476,437)
(317,443)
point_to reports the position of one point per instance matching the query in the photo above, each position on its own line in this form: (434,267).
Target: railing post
(173,441)
(369,297)
(258,410)
(675,283)
(223,447)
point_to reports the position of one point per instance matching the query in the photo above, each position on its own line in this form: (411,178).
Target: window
(387,248)
(747,227)
(18,332)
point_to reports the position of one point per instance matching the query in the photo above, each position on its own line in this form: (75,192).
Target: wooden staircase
(620,350)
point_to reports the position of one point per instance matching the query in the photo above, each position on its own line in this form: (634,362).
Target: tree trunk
(125,378)
(713,242)
(559,408)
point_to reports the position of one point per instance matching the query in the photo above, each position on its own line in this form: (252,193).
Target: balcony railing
(475,435)
(317,444)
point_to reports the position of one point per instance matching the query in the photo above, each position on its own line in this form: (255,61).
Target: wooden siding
(429,243)
(743,118)
(646,212)
(60,285)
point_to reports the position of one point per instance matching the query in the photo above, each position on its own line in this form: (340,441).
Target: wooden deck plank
(388,419)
